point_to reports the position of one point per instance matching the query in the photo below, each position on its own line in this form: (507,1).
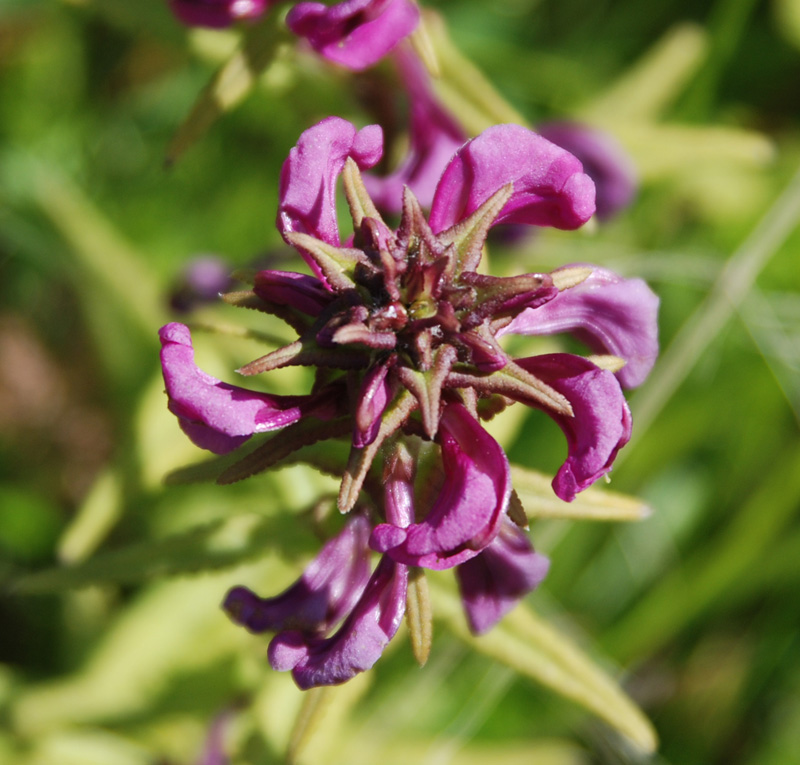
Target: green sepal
(337,264)
(514,382)
(306,353)
(361,459)
(281,446)
(469,235)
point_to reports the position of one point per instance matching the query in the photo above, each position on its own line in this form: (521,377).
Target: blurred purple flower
(434,136)
(353,33)
(218,13)
(201,281)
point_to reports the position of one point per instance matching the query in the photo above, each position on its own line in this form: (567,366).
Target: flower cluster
(405,336)
(353,33)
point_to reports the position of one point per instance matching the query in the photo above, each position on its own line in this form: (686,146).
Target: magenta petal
(358,643)
(355,33)
(604,161)
(466,515)
(299,291)
(493,583)
(309,174)
(601,424)
(550,187)
(434,136)
(217,13)
(328,589)
(610,314)
(217,416)
(372,400)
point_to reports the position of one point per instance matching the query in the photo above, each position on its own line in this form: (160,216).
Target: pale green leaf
(535,648)
(595,504)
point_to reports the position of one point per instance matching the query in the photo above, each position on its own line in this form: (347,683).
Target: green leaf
(219,544)
(595,504)
(533,647)
(230,85)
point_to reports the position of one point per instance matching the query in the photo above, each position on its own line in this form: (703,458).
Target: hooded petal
(610,314)
(493,583)
(434,136)
(550,187)
(601,421)
(355,33)
(469,508)
(217,416)
(358,643)
(328,589)
(308,177)
(217,13)
(604,161)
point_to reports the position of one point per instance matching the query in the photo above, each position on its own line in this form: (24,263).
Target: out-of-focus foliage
(112,647)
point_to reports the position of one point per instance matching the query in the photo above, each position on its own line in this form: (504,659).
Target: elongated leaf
(230,85)
(594,504)
(216,545)
(533,647)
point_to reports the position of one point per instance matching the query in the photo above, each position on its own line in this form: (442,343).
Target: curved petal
(609,313)
(328,589)
(604,161)
(469,508)
(372,400)
(308,177)
(217,13)
(495,581)
(217,416)
(600,426)
(434,136)
(550,187)
(355,33)
(358,643)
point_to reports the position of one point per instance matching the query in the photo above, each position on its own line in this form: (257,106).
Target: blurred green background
(124,657)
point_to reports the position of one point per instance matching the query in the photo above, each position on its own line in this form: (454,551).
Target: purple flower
(468,511)
(404,335)
(327,591)
(604,161)
(221,417)
(610,314)
(434,136)
(218,13)
(317,659)
(355,33)
(492,583)
(202,281)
